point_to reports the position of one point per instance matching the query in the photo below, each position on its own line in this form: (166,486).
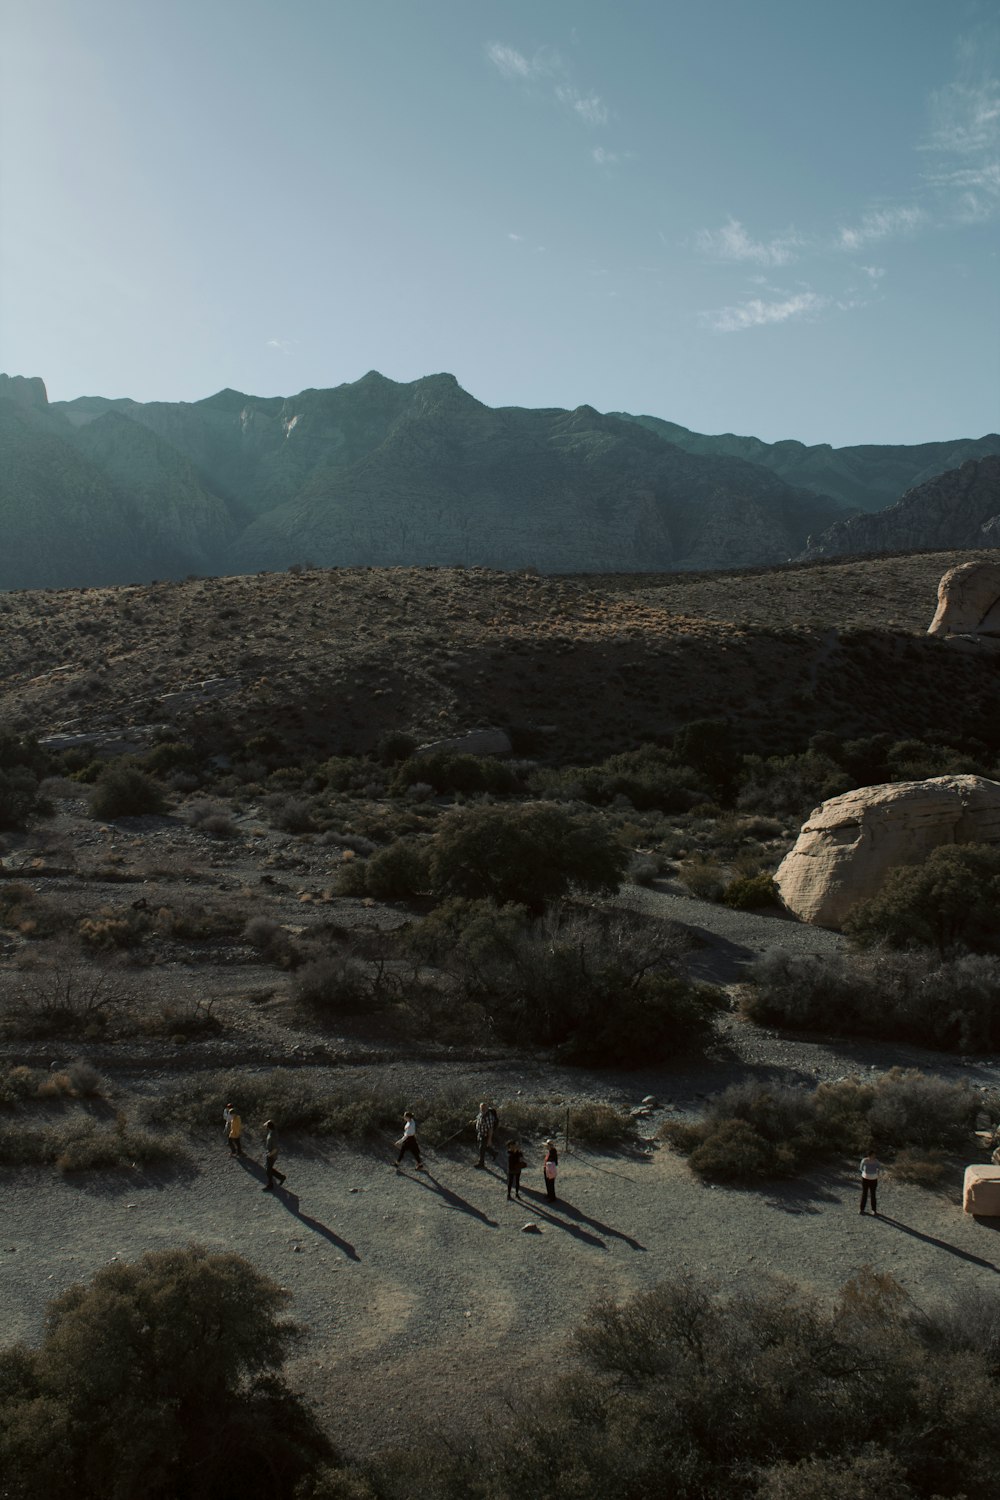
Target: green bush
(395,873)
(123,791)
(161,1379)
(916,996)
(447,772)
(648,777)
(20,798)
(753,1130)
(952,899)
(790,785)
(750,892)
(529,855)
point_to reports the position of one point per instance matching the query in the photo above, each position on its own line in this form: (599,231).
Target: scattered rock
(969,602)
(530,1229)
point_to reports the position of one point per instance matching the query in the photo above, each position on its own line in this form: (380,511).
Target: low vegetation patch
(952,1003)
(753,1131)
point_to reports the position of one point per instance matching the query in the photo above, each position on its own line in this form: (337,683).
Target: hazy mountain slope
(957,509)
(108,503)
(869,476)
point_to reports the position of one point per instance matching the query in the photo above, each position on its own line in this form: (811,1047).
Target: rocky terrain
(960,508)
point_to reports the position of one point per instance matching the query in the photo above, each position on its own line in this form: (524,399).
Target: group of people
(233,1126)
(486,1122)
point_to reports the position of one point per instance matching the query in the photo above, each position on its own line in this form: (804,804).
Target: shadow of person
(290,1201)
(572,1212)
(930,1239)
(551,1218)
(252,1168)
(431,1184)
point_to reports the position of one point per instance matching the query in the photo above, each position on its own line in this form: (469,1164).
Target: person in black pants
(869,1180)
(550,1167)
(515,1166)
(408,1141)
(271,1156)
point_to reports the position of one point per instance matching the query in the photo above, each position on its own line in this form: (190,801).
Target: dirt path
(426,1284)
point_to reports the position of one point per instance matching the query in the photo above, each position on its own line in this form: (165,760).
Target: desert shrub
(918,996)
(20,797)
(924,1168)
(395,745)
(209,817)
(648,777)
(530,855)
(753,1394)
(123,791)
(446,772)
(79,1143)
(750,892)
(289,814)
(105,932)
(334,986)
(168,756)
(709,747)
(600,991)
(755,1130)
(187,1020)
(64,994)
(951,899)
(703,877)
(395,873)
(270,939)
(161,1378)
(790,785)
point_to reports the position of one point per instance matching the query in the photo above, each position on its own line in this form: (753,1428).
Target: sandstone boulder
(849,844)
(969,602)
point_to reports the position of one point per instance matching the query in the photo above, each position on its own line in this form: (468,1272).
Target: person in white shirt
(408,1141)
(869,1180)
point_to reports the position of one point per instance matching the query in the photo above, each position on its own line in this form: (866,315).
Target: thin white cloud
(604,158)
(283,345)
(517,237)
(592,110)
(965,118)
(510,62)
(733,243)
(874,273)
(757,313)
(963,142)
(881,224)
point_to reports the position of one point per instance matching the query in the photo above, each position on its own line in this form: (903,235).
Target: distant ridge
(377,472)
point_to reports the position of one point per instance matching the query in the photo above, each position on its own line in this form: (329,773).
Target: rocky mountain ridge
(958,509)
(374,472)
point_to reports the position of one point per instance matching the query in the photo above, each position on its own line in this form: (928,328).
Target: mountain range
(382,473)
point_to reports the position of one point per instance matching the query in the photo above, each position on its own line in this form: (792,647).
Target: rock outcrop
(969,604)
(849,844)
(958,509)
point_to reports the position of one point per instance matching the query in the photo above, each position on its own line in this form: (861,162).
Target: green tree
(530,855)
(160,1379)
(123,791)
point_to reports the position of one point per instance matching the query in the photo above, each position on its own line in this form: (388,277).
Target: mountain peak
(26,390)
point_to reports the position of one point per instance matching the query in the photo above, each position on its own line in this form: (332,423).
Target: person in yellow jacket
(234,1131)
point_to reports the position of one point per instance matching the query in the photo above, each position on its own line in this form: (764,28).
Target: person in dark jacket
(486,1122)
(271,1156)
(515,1166)
(550,1168)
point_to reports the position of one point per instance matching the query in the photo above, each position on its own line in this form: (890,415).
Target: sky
(769,217)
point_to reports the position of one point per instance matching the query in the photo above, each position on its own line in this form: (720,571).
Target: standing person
(271,1156)
(408,1141)
(227,1115)
(550,1167)
(486,1122)
(869,1180)
(234,1130)
(515,1166)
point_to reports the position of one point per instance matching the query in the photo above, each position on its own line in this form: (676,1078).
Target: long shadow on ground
(930,1239)
(431,1185)
(570,1211)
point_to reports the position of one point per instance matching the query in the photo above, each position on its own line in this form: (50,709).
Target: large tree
(160,1379)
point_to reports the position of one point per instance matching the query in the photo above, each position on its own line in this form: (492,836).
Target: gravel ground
(411,1286)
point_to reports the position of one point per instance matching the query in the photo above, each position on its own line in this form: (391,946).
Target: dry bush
(61,993)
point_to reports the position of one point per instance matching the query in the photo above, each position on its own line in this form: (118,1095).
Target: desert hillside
(331,659)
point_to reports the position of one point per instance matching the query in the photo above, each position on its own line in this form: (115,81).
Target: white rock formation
(969,602)
(475,742)
(848,845)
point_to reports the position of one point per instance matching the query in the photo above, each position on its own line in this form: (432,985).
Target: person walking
(271,1156)
(870,1167)
(234,1130)
(550,1169)
(408,1143)
(515,1166)
(486,1122)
